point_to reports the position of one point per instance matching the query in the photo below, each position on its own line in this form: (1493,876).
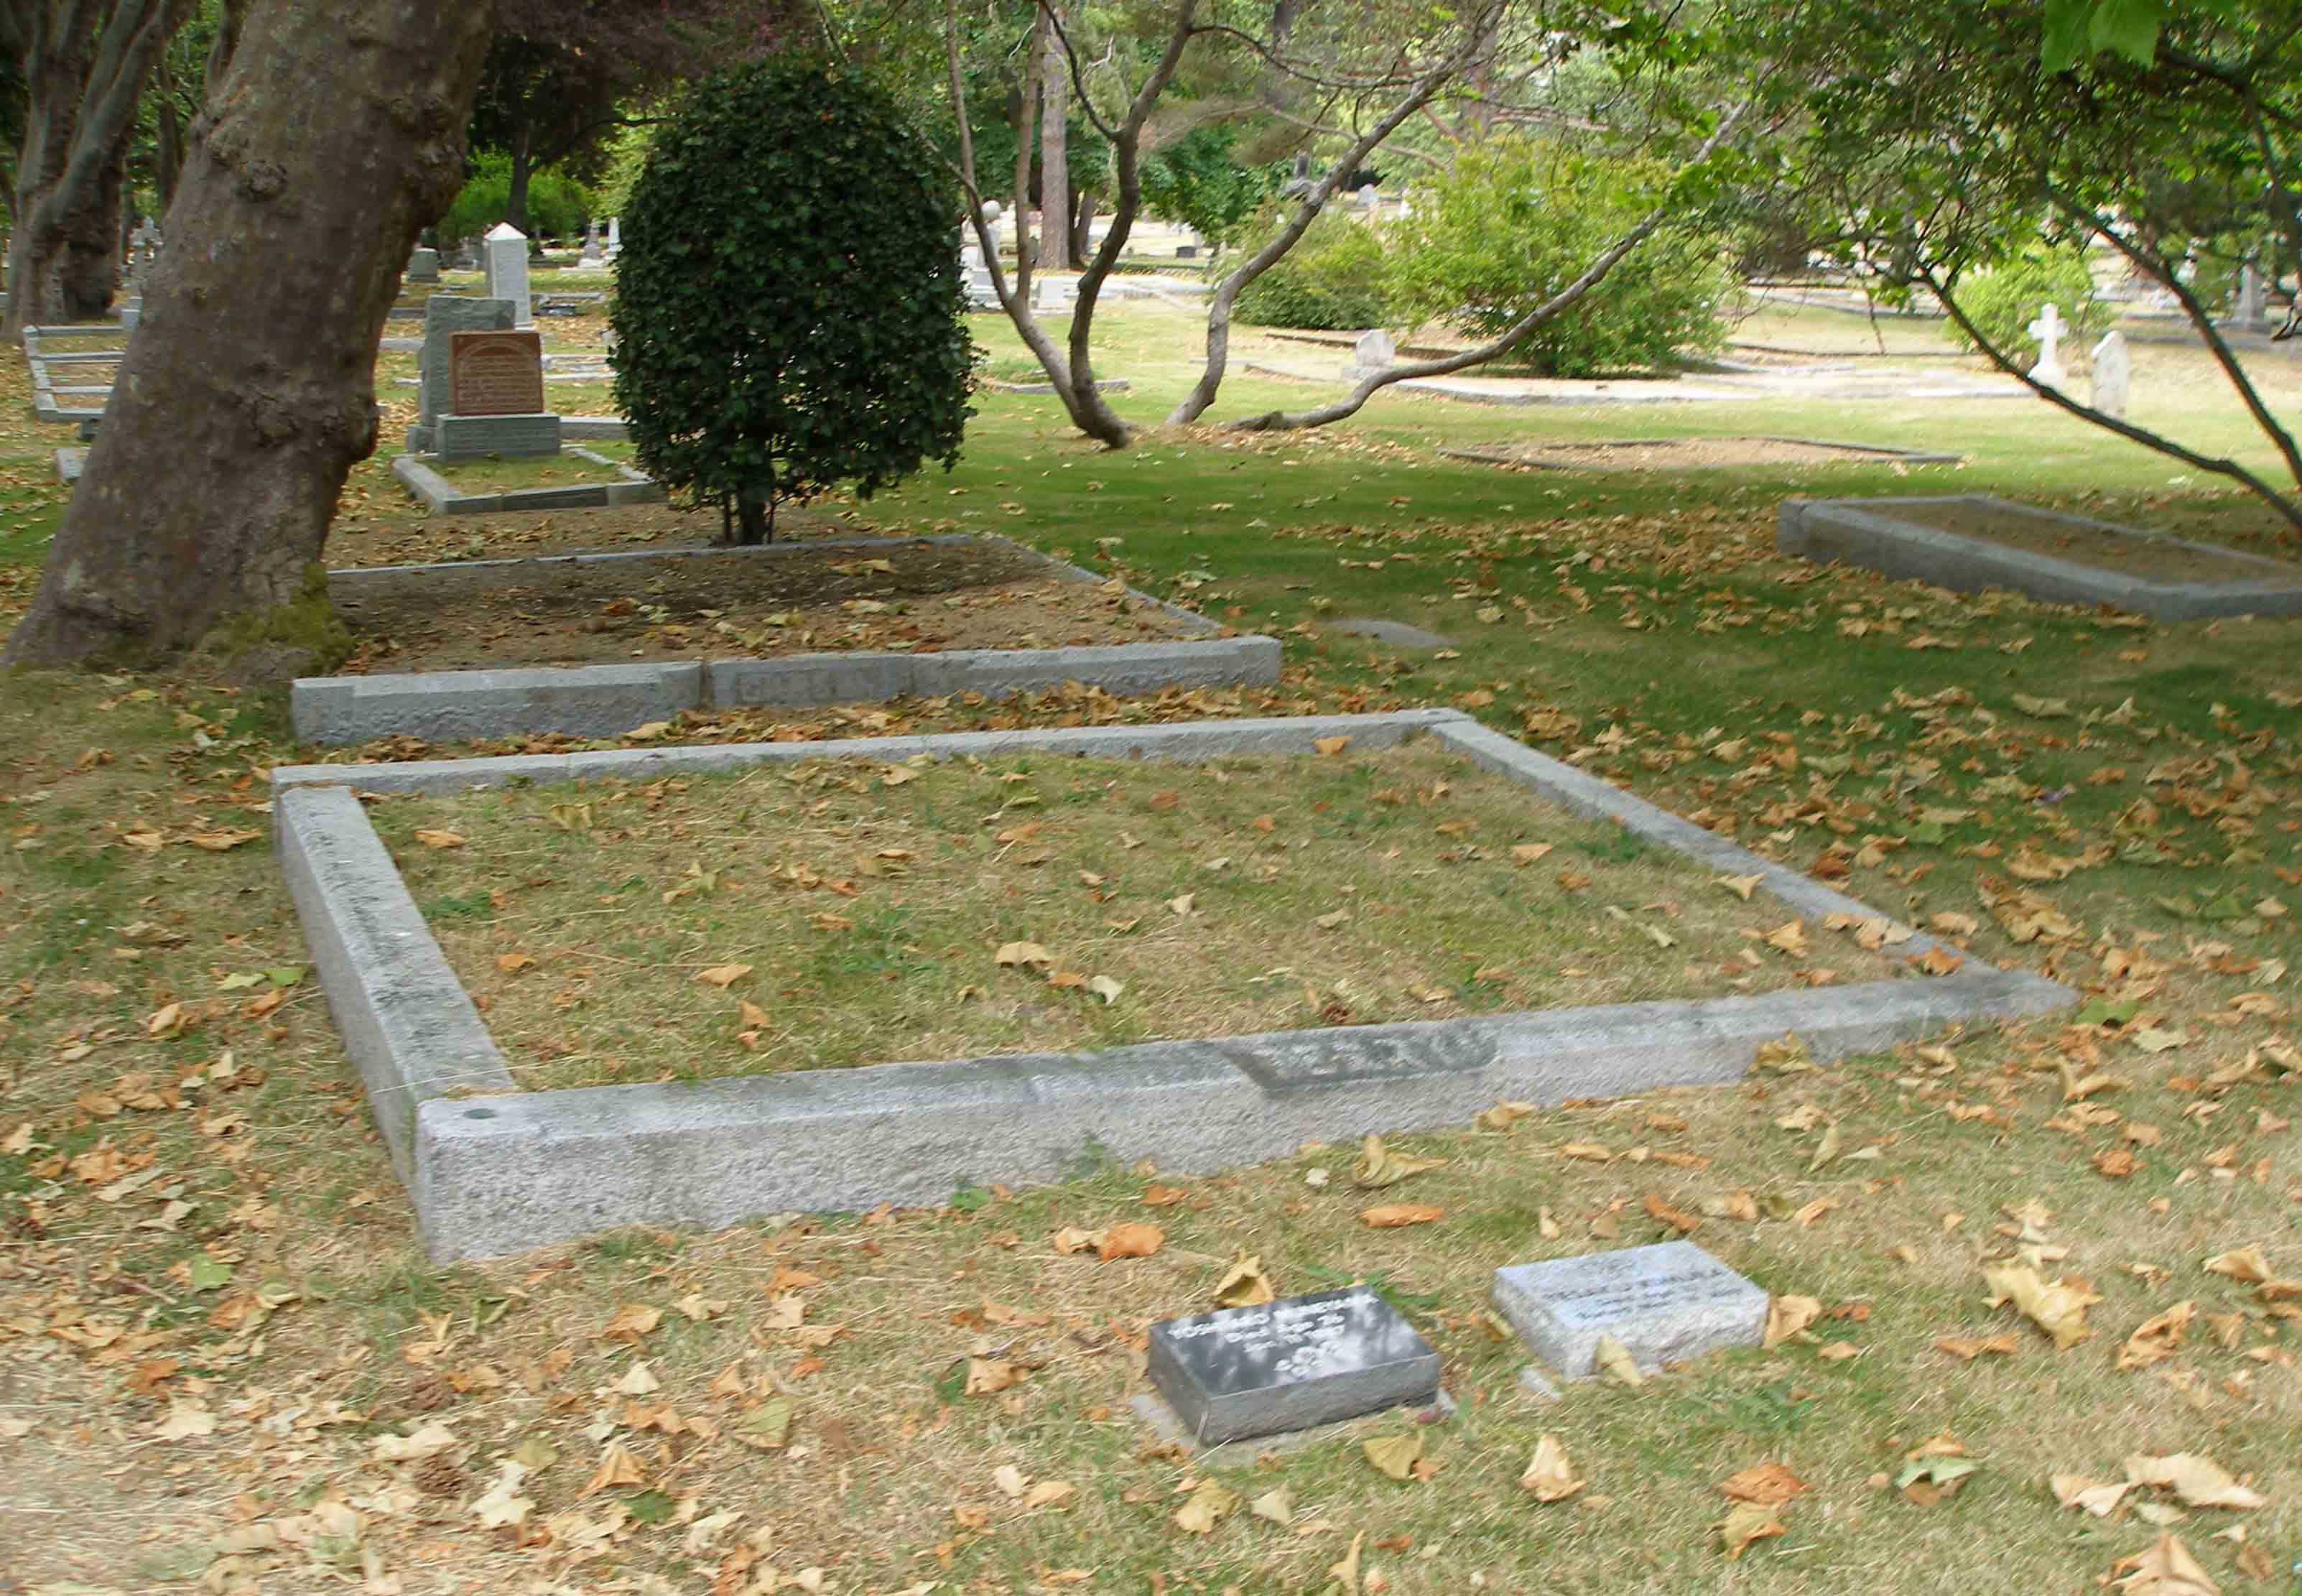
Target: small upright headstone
(445,316)
(1661,1303)
(2048,329)
(495,397)
(591,247)
(1290,1364)
(1367,197)
(2112,370)
(1375,351)
(615,237)
(424,265)
(506,257)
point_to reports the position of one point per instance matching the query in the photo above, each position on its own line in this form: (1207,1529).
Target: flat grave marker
(1288,1365)
(1662,1303)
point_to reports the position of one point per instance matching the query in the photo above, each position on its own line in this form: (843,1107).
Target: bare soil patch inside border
(914,596)
(2129,554)
(834,914)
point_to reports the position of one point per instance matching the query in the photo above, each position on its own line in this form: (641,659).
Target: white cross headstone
(506,258)
(2048,329)
(2112,372)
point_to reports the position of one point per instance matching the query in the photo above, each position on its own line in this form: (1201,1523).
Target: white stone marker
(2113,371)
(615,237)
(2048,331)
(1375,351)
(1663,1303)
(506,261)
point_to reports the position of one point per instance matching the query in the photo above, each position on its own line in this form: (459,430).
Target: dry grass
(867,907)
(888,1481)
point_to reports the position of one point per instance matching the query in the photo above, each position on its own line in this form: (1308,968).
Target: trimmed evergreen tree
(789,315)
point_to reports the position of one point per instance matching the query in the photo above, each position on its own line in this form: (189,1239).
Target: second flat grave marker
(1663,1303)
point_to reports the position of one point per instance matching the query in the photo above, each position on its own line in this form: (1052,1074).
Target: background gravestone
(1663,1303)
(445,316)
(2113,373)
(1290,1364)
(495,397)
(505,255)
(1377,351)
(424,266)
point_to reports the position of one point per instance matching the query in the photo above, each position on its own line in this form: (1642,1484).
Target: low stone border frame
(1866,532)
(491,1170)
(1881,453)
(607,700)
(442,496)
(46,391)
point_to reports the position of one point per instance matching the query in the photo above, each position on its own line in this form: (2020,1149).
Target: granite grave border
(1868,533)
(1880,453)
(442,497)
(491,1169)
(607,700)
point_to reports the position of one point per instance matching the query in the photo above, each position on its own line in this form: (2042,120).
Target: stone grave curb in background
(506,1171)
(1881,452)
(1866,532)
(442,496)
(607,700)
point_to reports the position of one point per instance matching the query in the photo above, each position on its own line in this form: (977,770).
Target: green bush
(1518,220)
(556,206)
(2004,300)
(1331,280)
(788,310)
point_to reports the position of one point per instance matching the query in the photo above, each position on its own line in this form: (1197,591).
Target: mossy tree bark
(333,136)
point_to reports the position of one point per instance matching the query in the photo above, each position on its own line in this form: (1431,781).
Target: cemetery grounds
(226,1365)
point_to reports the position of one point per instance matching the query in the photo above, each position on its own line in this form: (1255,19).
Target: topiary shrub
(1332,279)
(2004,300)
(1517,219)
(788,309)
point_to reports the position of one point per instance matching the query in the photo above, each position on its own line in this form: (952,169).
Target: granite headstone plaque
(495,374)
(1663,1303)
(1290,1364)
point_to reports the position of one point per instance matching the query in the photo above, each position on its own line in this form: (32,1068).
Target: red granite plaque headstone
(495,374)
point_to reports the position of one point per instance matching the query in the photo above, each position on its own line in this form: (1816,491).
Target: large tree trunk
(334,137)
(1054,167)
(83,72)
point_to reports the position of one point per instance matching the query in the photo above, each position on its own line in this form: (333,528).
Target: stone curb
(441,497)
(1866,532)
(607,700)
(511,1171)
(1180,741)
(407,1024)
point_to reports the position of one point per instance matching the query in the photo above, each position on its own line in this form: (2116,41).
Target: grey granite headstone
(445,315)
(474,437)
(1663,1303)
(424,266)
(1290,1364)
